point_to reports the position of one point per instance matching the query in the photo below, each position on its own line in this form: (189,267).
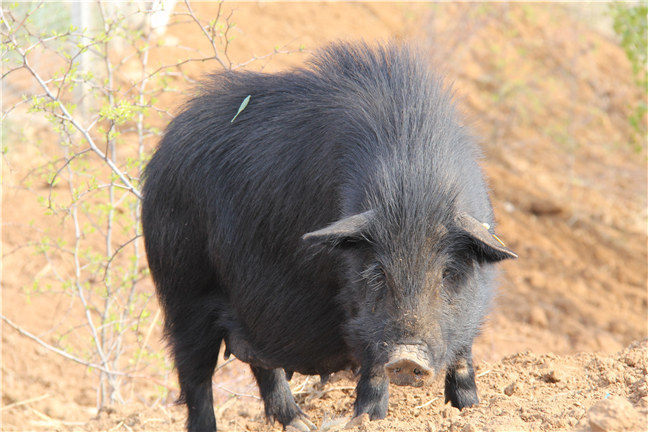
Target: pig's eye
(451,276)
(386,279)
(447,274)
(375,276)
(383,274)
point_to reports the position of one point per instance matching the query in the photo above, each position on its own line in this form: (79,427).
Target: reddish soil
(549,94)
(521,392)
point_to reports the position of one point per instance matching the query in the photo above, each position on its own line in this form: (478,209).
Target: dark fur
(225,205)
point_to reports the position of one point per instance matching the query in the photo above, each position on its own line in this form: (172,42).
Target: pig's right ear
(345,232)
(486,245)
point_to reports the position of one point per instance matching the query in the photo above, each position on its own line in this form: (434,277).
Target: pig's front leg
(460,387)
(372,392)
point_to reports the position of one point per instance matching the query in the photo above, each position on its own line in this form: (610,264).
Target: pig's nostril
(417,371)
(397,370)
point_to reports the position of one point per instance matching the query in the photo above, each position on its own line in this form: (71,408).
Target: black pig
(340,220)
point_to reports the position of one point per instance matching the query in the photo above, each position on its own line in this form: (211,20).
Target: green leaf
(241,108)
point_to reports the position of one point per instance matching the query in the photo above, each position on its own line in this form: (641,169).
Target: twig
(211,40)
(54,177)
(112,257)
(58,351)
(325,390)
(427,403)
(49,420)
(116,426)
(301,388)
(146,338)
(228,361)
(25,402)
(224,406)
(220,387)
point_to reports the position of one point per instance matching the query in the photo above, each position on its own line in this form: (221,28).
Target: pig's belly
(313,347)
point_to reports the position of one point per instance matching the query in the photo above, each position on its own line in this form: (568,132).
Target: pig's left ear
(487,246)
(345,232)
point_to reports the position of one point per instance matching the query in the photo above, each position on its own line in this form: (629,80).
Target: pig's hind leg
(195,344)
(278,400)
(460,387)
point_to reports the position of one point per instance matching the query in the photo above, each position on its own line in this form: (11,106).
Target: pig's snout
(407,366)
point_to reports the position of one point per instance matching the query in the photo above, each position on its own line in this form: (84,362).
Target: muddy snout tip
(408,370)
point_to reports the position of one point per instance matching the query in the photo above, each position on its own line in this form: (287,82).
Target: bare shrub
(89,71)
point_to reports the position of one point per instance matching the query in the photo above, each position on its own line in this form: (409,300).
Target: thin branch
(220,387)
(25,402)
(57,350)
(112,257)
(56,174)
(211,40)
(426,403)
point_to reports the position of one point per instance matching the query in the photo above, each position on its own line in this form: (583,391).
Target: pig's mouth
(408,366)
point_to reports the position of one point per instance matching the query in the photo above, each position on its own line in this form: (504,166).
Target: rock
(614,414)
(448,411)
(87,397)
(510,389)
(334,424)
(358,421)
(469,428)
(545,208)
(538,317)
(553,376)
(508,207)
(132,420)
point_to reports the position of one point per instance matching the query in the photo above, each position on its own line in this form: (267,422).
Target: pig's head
(416,289)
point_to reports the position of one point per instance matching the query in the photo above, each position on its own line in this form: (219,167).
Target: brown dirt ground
(521,392)
(548,94)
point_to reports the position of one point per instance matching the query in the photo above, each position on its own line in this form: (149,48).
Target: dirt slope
(549,96)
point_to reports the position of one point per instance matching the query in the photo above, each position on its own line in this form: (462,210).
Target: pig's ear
(487,246)
(345,232)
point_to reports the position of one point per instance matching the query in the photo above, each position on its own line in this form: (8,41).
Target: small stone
(644,401)
(509,207)
(538,317)
(545,208)
(358,421)
(469,428)
(510,389)
(429,427)
(132,420)
(334,424)
(86,397)
(448,411)
(553,376)
(613,414)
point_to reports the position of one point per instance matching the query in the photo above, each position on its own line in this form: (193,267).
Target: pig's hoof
(462,398)
(301,424)
(372,397)
(375,411)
